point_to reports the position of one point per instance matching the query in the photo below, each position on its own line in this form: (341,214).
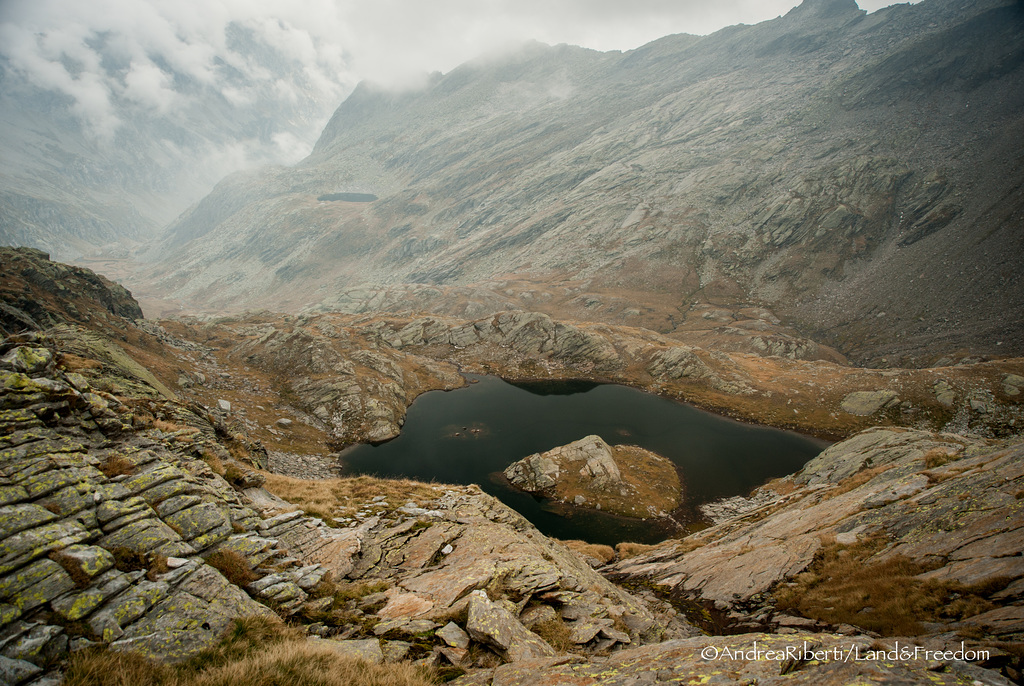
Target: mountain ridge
(804,164)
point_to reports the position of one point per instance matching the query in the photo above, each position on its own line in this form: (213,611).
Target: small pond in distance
(498,423)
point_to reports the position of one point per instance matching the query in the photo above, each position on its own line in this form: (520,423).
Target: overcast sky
(338,42)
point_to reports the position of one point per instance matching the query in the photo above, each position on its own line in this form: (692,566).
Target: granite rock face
(944,502)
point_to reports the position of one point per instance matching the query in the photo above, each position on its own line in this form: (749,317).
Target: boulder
(866,403)
(367,650)
(491,624)
(541,471)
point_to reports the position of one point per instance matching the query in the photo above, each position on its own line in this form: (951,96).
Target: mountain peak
(826,8)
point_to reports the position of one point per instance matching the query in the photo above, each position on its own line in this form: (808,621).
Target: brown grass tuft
(74,363)
(936,457)
(856,480)
(255,651)
(233,566)
(626,550)
(360,589)
(116,465)
(556,633)
(213,461)
(157,566)
(604,553)
(781,486)
(128,560)
(168,427)
(844,586)
(101,667)
(343,497)
(73,567)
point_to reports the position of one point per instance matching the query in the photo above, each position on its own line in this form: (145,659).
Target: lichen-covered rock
(17,672)
(27,360)
(493,625)
(190,617)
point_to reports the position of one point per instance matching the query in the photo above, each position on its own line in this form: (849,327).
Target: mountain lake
(471,434)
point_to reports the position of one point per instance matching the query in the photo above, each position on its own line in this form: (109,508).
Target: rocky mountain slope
(857,174)
(903,532)
(146,522)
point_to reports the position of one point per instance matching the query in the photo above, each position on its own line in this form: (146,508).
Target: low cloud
(117,60)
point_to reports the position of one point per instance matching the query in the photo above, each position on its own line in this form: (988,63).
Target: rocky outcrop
(818,397)
(947,505)
(624,480)
(94,509)
(867,403)
(37,293)
(126,520)
(541,471)
(464,551)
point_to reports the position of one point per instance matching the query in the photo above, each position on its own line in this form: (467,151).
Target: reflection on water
(471,434)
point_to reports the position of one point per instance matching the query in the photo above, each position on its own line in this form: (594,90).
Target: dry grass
(359,589)
(626,550)
(556,633)
(781,486)
(233,566)
(856,480)
(329,498)
(75,363)
(116,465)
(843,586)
(254,652)
(128,560)
(73,567)
(936,457)
(604,553)
(168,427)
(233,475)
(215,463)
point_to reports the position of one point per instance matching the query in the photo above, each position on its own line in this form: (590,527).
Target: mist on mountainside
(856,174)
(113,127)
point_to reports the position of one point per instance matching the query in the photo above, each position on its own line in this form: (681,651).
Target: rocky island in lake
(624,479)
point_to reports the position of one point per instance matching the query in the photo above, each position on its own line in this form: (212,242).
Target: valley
(235,423)
(563,366)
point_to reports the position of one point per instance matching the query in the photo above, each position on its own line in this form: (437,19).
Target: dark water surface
(470,434)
